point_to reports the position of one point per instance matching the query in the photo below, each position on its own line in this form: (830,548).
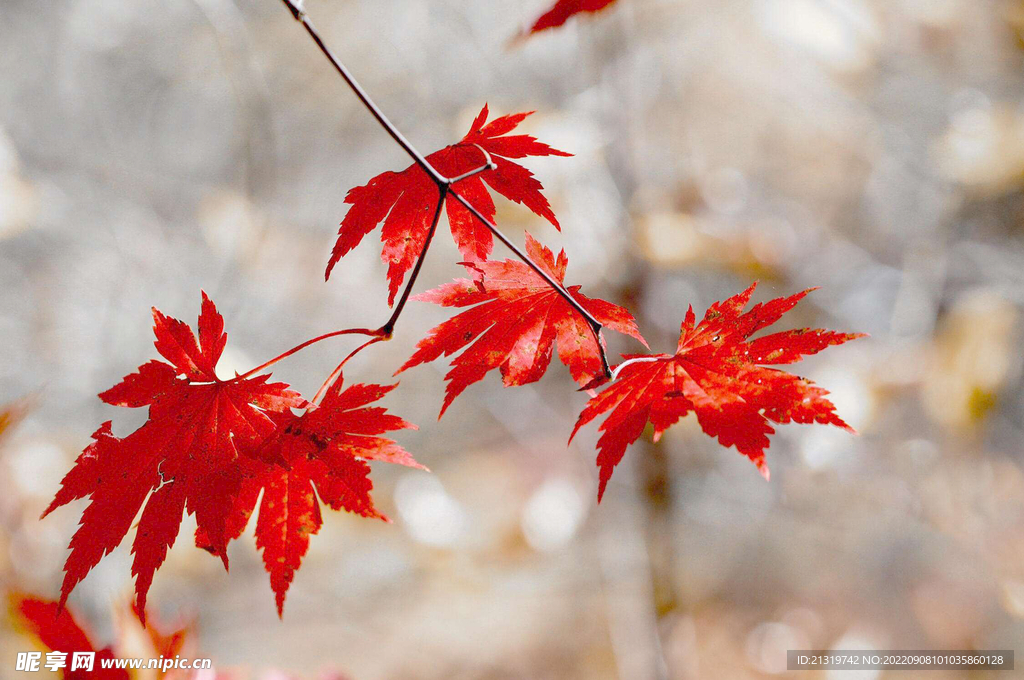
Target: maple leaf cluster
(514,318)
(213,447)
(716,372)
(209,447)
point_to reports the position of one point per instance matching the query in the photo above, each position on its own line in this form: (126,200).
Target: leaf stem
(443,183)
(347,331)
(382,333)
(337,371)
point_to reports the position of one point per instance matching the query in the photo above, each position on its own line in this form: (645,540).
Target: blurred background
(874,148)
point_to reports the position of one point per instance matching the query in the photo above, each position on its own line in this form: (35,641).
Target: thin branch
(382,333)
(307,343)
(300,15)
(443,183)
(595,325)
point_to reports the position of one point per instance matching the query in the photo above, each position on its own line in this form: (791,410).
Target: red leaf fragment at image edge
(57,629)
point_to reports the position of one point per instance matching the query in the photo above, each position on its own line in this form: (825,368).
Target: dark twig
(300,15)
(388,328)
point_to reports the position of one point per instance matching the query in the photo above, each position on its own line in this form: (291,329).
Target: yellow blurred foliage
(970,359)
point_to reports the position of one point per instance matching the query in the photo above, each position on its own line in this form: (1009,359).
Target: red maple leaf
(720,375)
(325,451)
(406,201)
(563,10)
(514,324)
(186,453)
